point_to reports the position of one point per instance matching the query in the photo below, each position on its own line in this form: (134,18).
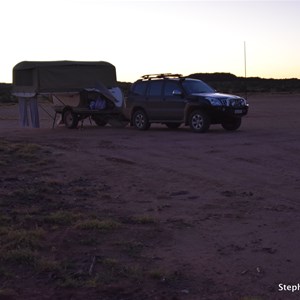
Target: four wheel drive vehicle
(174,100)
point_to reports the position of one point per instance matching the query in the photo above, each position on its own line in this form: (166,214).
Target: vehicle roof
(161,75)
(166,78)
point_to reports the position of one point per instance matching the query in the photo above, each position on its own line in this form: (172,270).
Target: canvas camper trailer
(77,89)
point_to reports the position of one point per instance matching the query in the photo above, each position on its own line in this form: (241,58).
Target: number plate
(238,111)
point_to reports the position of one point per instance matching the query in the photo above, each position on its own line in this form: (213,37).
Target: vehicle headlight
(243,102)
(236,102)
(214,101)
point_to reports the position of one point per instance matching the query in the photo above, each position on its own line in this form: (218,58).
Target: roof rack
(161,75)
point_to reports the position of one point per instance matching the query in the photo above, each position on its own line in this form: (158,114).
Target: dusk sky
(142,37)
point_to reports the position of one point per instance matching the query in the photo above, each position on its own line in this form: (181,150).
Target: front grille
(233,102)
(224,102)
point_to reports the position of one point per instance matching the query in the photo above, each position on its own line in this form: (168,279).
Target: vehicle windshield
(196,87)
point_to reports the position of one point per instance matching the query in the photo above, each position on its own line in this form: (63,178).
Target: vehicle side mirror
(177,93)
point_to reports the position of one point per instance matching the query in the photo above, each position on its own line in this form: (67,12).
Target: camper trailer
(78,90)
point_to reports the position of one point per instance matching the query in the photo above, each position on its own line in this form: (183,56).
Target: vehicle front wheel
(70,119)
(140,120)
(199,121)
(232,124)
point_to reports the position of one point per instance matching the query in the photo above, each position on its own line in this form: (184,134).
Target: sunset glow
(141,37)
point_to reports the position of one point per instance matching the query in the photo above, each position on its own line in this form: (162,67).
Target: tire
(199,121)
(70,119)
(173,125)
(232,124)
(140,120)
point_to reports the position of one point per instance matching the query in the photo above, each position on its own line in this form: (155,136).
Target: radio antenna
(245,66)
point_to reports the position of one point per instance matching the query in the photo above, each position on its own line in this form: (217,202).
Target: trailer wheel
(70,119)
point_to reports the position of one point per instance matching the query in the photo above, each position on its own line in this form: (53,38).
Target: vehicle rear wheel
(173,125)
(232,124)
(199,121)
(140,120)
(70,119)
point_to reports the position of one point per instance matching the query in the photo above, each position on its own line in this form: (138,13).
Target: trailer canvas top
(32,77)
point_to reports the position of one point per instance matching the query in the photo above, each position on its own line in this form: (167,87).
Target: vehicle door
(174,101)
(154,99)
(137,94)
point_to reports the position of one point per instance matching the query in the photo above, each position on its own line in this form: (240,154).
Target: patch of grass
(179,223)
(4,230)
(18,239)
(62,218)
(42,199)
(5,273)
(4,219)
(104,225)
(131,248)
(4,146)
(43,162)
(30,193)
(113,270)
(169,277)
(47,265)
(26,194)
(26,150)
(3,163)
(19,150)
(19,256)
(33,155)
(18,246)
(81,191)
(157,274)
(8,294)
(107,271)
(143,220)
(89,241)
(70,282)
(134,272)
(92,283)
(110,262)
(44,187)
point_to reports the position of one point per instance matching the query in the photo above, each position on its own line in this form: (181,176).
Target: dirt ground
(112,213)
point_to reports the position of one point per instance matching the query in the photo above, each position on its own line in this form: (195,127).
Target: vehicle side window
(170,86)
(139,88)
(155,88)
